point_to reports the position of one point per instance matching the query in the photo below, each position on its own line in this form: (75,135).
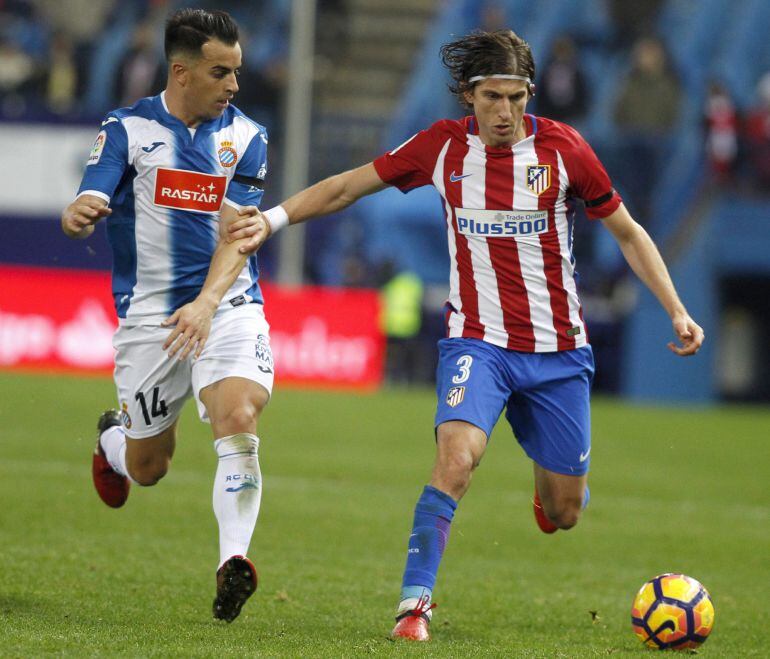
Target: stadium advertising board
(63,320)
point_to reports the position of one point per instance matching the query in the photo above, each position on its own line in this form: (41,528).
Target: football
(672,611)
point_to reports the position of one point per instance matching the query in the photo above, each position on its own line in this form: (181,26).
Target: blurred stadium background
(673,94)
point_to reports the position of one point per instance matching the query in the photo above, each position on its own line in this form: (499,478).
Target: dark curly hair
(188,29)
(486,53)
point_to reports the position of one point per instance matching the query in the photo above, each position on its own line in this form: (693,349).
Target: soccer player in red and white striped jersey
(516,340)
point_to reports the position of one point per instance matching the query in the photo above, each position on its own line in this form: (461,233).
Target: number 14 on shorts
(158,406)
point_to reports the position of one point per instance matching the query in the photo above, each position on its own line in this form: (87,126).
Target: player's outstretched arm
(192,322)
(79,218)
(646,262)
(325,197)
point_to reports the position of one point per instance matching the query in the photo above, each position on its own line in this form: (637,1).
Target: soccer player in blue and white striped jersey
(168,175)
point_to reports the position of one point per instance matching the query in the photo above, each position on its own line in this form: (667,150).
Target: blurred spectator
(491,16)
(632,20)
(81,20)
(142,72)
(17,69)
(645,112)
(61,80)
(17,79)
(650,94)
(721,125)
(401,317)
(561,90)
(332,28)
(757,136)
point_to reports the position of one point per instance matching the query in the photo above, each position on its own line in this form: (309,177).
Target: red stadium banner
(58,320)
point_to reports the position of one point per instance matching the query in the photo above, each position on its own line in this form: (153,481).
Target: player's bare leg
(118,459)
(234,406)
(459,449)
(148,459)
(559,499)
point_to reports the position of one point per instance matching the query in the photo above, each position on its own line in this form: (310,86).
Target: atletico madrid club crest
(538,178)
(455,396)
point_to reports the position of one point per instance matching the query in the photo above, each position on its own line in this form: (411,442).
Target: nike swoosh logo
(453,178)
(152,147)
(108,120)
(242,486)
(584,456)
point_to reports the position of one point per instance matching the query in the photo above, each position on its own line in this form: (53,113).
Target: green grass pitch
(672,490)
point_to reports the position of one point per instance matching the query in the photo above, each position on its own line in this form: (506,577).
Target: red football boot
(413,619)
(111,486)
(236,582)
(545,524)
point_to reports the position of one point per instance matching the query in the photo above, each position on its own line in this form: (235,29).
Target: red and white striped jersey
(509,214)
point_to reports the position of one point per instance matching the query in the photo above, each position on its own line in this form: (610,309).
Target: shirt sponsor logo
(263,354)
(474,222)
(538,178)
(453,178)
(189,191)
(152,147)
(97,148)
(228,156)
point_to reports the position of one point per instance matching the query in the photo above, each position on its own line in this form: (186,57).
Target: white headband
(503,76)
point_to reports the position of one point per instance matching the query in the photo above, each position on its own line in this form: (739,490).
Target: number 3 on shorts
(465,362)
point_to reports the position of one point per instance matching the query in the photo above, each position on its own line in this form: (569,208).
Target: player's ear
(179,71)
(468,97)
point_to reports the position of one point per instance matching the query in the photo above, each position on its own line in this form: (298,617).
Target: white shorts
(152,388)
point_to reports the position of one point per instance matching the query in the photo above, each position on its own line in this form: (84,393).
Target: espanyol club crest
(455,396)
(124,416)
(228,156)
(538,178)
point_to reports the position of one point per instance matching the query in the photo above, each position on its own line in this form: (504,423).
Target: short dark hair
(188,29)
(483,54)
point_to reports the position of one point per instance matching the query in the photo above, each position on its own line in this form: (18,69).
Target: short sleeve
(108,160)
(589,180)
(410,165)
(246,186)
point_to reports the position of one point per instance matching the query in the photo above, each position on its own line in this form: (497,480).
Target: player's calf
(562,513)
(147,470)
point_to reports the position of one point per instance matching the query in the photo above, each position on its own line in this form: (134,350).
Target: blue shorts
(546,397)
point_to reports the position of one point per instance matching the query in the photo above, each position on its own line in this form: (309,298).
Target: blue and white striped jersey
(166,184)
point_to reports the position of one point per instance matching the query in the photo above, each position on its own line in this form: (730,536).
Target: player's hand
(689,333)
(78,219)
(192,324)
(253,226)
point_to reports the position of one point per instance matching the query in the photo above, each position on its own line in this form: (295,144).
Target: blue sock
(432,516)
(586,497)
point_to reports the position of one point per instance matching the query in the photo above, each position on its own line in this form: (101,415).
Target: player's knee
(150,470)
(454,470)
(241,418)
